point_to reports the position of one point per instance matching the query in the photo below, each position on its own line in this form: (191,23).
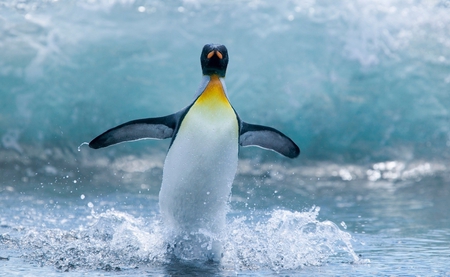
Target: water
(361,86)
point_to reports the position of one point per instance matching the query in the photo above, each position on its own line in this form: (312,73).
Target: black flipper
(268,138)
(148,128)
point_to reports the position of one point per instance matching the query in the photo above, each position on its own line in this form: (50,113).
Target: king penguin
(202,159)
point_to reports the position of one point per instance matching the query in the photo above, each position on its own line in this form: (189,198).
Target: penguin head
(214,59)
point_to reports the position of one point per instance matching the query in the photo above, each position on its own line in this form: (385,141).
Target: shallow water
(361,86)
(282,219)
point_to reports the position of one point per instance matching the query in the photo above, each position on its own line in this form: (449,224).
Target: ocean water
(363,87)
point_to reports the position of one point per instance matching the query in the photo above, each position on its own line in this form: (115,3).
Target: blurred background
(349,81)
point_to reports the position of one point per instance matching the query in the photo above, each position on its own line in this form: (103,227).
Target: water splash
(287,240)
(81,145)
(116,241)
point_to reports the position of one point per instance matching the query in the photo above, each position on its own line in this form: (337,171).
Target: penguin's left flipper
(268,138)
(148,128)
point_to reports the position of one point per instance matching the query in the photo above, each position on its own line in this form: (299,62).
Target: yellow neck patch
(213,97)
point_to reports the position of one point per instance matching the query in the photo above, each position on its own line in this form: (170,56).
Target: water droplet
(84,143)
(82,196)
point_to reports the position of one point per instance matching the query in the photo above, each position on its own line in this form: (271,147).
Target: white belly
(198,173)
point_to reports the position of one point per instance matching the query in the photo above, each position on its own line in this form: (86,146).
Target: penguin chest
(205,145)
(200,166)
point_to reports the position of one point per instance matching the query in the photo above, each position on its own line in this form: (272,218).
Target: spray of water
(116,240)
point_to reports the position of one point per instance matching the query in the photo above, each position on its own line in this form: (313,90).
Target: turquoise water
(361,86)
(282,220)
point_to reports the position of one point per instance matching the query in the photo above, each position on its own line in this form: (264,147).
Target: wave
(351,80)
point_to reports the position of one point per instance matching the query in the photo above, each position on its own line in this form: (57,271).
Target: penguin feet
(195,247)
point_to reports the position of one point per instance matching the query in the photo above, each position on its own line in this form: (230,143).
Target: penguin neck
(213,92)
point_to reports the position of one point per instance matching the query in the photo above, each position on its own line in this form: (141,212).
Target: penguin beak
(214,52)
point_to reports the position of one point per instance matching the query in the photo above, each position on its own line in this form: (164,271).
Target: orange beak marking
(210,54)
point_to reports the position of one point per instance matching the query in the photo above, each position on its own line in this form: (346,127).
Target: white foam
(285,240)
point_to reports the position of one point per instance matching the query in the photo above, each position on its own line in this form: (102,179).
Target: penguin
(202,158)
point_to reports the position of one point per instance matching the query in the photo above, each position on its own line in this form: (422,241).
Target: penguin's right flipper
(148,128)
(267,138)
